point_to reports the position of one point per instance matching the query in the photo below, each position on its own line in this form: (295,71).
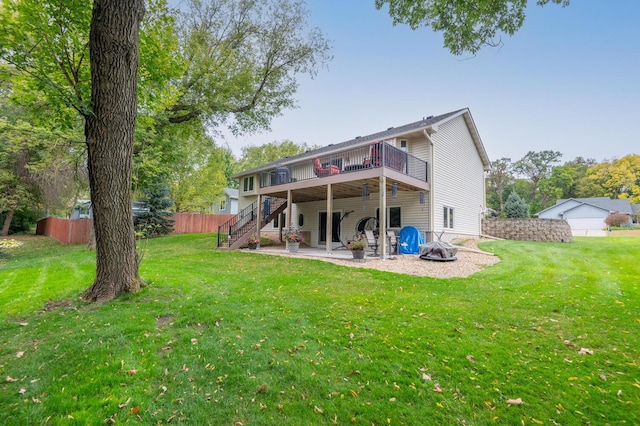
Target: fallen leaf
(124,404)
(19,354)
(514,401)
(194,341)
(354,393)
(133,372)
(22,391)
(24,324)
(426,376)
(585,351)
(471,358)
(134,410)
(262,389)
(11,379)
(318,409)
(437,388)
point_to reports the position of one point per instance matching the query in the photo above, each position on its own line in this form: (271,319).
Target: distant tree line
(539,180)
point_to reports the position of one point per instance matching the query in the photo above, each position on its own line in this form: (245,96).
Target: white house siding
(411,213)
(420,149)
(556,211)
(458,179)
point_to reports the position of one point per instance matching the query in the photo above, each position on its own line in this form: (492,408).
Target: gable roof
(622,206)
(231,193)
(392,132)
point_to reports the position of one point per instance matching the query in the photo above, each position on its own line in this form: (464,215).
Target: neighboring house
(228,204)
(636,213)
(586,216)
(84,210)
(429,174)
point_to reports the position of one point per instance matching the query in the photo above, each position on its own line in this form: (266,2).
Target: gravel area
(470,260)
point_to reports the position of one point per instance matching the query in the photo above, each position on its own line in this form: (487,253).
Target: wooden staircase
(233,233)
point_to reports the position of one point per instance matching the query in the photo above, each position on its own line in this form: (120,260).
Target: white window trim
(448,217)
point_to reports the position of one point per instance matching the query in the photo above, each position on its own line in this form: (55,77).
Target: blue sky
(568,81)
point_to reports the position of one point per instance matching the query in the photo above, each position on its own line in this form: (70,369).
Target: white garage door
(587,223)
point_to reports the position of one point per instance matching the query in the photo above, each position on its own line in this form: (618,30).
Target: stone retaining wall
(554,230)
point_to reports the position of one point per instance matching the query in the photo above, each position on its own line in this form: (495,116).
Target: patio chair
(372,241)
(324,171)
(393,242)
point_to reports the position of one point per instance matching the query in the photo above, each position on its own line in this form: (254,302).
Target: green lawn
(239,338)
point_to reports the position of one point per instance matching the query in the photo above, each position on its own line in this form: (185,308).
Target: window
(448,217)
(301,220)
(248,184)
(393,217)
(277,220)
(403,145)
(223,204)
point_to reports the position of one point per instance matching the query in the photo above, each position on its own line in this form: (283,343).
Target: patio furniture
(324,171)
(393,242)
(394,158)
(372,241)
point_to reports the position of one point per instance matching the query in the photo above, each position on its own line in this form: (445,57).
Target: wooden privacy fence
(78,231)
(198,223)
(66,231)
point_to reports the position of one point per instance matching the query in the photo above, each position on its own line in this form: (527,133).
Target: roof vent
(358,137)
(389,128)
(430,117)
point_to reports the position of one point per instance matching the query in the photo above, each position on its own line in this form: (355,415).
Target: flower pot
(293,247)
(253,246)
(358,254)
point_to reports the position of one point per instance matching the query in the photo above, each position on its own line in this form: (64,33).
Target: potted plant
(293,238)
(253,242)
(357,248)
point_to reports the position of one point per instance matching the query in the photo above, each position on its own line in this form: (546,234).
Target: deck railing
(377,154)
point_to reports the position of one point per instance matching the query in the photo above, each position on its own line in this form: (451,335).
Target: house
(429,174)
(586,216)
(228,204)
(84,210)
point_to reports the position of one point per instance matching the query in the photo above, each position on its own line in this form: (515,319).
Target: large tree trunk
(7,222)
(109,129)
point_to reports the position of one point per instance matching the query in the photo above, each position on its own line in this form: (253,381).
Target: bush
(516,206)
(617,219)
(23,221)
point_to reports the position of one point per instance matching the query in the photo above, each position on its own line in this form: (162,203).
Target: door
(322,228)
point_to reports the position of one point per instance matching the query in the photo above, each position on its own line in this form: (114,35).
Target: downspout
(430,180)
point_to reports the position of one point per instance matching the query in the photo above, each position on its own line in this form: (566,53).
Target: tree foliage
(500,176)
(465,25)
(618,178)
(241,60)
(256,155)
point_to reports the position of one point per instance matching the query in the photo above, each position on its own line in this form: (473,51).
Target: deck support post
(382,225)
(329,237)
